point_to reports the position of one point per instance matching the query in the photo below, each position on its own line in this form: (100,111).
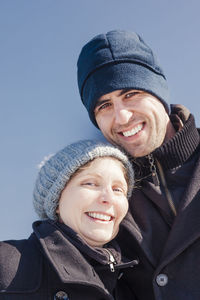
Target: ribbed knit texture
(58,169)
(180,148)
(118,60)
(171,154)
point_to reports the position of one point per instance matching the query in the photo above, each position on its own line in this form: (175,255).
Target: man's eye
(131,94)
(103,106)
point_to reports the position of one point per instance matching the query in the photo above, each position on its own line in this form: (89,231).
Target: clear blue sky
(40,109)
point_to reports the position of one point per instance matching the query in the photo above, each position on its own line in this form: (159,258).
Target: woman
(80,196)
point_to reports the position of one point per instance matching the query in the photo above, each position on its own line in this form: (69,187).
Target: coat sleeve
(17,258)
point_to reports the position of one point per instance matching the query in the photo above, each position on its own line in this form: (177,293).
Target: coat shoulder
(20,265)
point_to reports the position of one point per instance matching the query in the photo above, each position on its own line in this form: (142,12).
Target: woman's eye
(118,189)
(89,183)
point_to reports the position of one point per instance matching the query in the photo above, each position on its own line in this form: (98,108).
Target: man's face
(133,119)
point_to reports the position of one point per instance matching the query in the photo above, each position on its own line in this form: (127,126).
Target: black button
(61,296)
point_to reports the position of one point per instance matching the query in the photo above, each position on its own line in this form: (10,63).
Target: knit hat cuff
(121,76)
(58,169)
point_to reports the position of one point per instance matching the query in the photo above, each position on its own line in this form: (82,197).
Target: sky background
(40,107)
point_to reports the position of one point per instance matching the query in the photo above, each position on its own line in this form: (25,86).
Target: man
(125,92)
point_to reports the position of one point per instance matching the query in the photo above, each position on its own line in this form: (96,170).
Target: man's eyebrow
(124,91)
(121,93)
(100,102)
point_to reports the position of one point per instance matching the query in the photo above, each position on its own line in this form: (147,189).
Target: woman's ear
(57,211)
(58,215)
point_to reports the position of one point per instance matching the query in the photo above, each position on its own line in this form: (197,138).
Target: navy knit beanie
(118,60)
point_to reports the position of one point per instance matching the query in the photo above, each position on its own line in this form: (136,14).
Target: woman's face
(94,201)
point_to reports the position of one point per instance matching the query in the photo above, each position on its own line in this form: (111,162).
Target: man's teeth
(99,216)
(133,131)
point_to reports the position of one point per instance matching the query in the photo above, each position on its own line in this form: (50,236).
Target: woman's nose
(107,196)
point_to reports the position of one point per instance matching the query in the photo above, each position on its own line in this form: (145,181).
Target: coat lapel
(65,258)
(147,238)
(186,227)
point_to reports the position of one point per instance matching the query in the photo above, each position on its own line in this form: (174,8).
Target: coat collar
(175,152)
(62,255)
(67,259)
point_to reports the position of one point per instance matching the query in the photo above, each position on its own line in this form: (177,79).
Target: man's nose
(122,114)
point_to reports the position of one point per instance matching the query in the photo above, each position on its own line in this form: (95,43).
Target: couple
(157,247)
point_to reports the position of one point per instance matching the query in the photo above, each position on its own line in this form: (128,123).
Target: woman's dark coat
(50,266)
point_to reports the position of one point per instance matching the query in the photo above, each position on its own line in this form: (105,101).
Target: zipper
(167,192)
(163,180)
(112,260)
(153,170)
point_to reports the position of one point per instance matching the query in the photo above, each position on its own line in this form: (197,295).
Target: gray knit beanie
(57,170)
(118,60)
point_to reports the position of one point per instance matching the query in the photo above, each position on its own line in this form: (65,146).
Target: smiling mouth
(133,131)
(99,216)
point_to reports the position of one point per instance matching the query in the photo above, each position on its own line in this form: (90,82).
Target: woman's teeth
(99,216)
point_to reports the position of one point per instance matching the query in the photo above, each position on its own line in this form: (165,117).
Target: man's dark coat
(168,246)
